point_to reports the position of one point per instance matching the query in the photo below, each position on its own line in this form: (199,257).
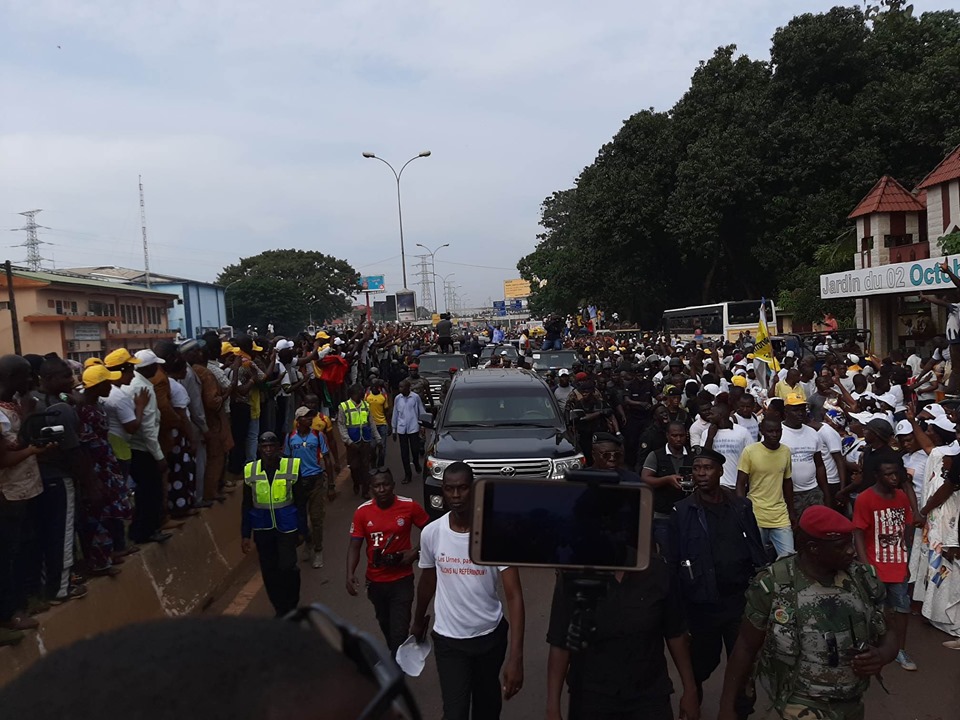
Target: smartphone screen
(561,524)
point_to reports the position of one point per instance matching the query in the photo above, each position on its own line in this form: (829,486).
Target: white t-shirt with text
(730,443)
(831,444)
(466,604)
(804,444)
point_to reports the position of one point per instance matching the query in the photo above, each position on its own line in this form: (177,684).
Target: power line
(423,272)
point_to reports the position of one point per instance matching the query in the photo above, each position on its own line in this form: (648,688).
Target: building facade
(80,318)
(200,306)
(898,253)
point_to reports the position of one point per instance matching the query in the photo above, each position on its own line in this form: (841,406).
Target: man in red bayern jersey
(385,522)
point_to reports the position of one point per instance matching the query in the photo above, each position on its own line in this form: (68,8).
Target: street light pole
(433,270)
(446,298)
(233,315)
(371,156)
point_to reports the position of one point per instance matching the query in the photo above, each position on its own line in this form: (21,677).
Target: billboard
(516,289)
(406,306)
(372,283)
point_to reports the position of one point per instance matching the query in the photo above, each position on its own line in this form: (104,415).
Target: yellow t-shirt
(767,470)
(378,407)
(781,390)
(321,423)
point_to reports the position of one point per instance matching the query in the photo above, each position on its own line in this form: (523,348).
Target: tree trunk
(708,282)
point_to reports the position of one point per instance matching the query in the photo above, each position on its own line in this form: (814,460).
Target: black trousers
(278,566)
(16,530)
(52,554)
(239,425)
(148,508)
(631,441)
(446,344)
(469,672)
(652,709)
(392,603)
(409,450)
(713,629)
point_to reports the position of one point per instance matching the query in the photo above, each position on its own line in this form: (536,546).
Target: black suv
(501,422)
(435,369)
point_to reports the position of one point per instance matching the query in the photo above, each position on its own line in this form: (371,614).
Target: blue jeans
(781,538)
(253,435)
(552,345)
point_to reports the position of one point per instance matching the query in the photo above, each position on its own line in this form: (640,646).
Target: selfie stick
(587,587)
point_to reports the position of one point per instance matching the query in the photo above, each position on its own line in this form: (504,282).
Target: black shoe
(406,480)
(416,466)
(160,537)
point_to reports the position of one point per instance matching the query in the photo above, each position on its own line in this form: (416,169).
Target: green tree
(288,288)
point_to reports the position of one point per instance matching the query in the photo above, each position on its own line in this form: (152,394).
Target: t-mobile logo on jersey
(376,538)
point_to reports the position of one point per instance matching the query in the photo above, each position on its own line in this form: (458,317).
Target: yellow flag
(763,349)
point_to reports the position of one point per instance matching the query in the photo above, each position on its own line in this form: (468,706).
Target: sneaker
(11,637)
(21,623)
(74,593)
(317,559)
(952,644)
(905,661)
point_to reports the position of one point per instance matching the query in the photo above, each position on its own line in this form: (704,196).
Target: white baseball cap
(149,357)
(562,372)
(944,423)
(904,428)
(712,388)
(285,345)
(935,409)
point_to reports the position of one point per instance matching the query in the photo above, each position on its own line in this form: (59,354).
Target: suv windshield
(558,360)
(488,350)
(441,363)
(476,407)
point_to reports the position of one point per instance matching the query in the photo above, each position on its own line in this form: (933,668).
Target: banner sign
(909,277)
(372,283)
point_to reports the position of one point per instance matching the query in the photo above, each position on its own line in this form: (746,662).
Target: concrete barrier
(179,577)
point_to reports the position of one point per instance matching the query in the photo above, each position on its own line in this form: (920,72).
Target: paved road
(933,693)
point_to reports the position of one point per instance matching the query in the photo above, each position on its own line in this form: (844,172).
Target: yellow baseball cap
(92,361)
(119,357)
(739,381)
(96,374)
(321,335)
(794,399)
(257,348)
(228,349)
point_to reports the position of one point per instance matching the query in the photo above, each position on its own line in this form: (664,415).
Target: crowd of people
(773,487)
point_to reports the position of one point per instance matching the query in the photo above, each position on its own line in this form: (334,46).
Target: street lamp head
(425,153)
(423,246)
(444,245)
(369,155)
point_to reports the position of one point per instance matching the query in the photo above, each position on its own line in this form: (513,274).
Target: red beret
(822,523)
(581,376)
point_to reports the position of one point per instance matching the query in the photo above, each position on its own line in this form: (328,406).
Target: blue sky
(247,121)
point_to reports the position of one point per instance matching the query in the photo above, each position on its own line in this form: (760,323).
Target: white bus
(722,319)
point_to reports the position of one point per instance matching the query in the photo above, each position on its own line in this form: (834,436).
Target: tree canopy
(287,288)
(742,189)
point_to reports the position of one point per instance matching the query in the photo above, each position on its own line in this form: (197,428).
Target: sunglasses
(371,659)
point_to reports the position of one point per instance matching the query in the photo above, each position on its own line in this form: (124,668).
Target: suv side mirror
(426,420)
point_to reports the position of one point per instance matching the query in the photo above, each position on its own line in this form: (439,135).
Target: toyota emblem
(508,471)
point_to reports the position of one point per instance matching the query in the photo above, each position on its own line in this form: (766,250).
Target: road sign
(499,305)
(372,283)
(516,305)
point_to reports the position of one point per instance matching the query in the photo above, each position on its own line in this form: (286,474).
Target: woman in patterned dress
(111,500)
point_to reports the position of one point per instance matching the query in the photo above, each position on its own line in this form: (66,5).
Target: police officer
(271,520)
(816,619)
(714,550)
(359,433)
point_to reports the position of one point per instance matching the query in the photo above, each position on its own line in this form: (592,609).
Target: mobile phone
(561,524)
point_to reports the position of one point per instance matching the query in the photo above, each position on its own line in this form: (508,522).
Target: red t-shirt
(389,530)
(884,524)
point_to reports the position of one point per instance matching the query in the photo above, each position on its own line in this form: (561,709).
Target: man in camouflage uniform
(419,385)
(816,620)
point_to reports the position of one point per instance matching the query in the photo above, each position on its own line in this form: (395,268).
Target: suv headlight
(436,502)
(563,464)
(436,466)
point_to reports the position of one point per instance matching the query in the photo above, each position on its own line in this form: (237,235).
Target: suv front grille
(436,389)
(528,467)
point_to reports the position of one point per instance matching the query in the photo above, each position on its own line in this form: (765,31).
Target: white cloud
(247,119)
